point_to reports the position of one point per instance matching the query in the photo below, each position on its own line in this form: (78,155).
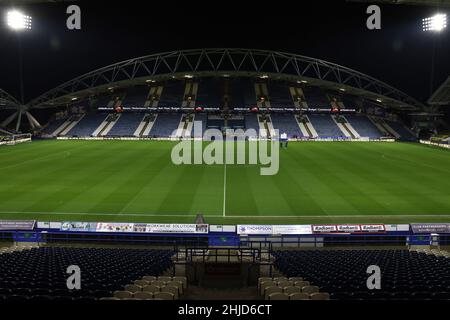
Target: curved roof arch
(228,61)
(7,100)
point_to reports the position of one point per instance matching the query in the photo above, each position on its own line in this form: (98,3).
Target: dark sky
(399,54)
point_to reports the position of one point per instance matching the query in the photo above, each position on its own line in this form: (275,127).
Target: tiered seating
(236,92)
(126,125)
(165,125)
(251,122)
(294,288)
(286,123)
(53,126)
(103,101)
(135,97)
(316,98)
(172,95)
(404,133)
(364,126)
(40,273)
(153,288)
(87,125)
(342,273)
(325,126)
(242,93)
(209,94)
(200,117)
(280,96)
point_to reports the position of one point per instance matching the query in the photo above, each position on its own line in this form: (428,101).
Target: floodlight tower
(19,22)
(436,24)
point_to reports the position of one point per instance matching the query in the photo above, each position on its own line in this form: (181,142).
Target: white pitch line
(104,214)
(348,216)
(224,188)
(215,216)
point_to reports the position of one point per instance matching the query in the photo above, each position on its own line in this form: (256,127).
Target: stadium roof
(442,95)
(7,100)
(229,62)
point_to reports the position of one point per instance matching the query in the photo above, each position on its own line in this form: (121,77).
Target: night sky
(399,54)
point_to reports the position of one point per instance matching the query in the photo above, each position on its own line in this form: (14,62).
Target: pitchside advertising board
(430,227)
(310,229)
(134,227)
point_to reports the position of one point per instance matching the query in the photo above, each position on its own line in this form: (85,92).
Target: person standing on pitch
(284,140)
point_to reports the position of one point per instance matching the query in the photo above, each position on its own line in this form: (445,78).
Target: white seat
(310,289)
(278,296)
(292,289)
(133,288)
(173,290)
(159,283)
(165,278)
(299,296)
(143,295)
(284,284)
(266,284)
(301,284)
(142,283)
(269,290)
(123,294)
(163,295)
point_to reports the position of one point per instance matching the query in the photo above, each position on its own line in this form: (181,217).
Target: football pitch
(136,181)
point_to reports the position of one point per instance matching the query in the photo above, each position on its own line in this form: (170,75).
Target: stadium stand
(248,90)
(200,117)
(238,95)
(154,288)
(103,101)
(316,98)
(251,122)
(87,125)
(40,273)
(404,133)
(172,94)
(135,97)
(294,288)
(53,126)
(364,126)
(325,126)
(165,125)
(209,94)
(405,274)
(280,96)
(286,123)
(126,125)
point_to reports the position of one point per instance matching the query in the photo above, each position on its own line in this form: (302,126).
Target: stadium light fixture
(436,23)
(18,21)
(74,98)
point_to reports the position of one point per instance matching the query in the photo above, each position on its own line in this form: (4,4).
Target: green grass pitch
(135,181)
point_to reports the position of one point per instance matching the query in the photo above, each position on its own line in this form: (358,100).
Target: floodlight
(16,20)
(435,23)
